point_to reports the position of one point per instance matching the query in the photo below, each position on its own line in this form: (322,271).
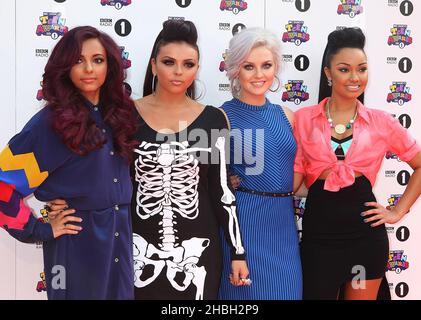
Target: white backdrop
(134,24)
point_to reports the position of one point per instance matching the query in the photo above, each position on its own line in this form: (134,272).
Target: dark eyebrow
(186,60)
(347,64)
(95,55)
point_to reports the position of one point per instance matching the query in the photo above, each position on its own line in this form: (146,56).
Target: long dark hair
(337,40)
(71,119)
(172,31)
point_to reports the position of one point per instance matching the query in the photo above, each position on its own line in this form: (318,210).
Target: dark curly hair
(71,119)
(172,31)
(337,40)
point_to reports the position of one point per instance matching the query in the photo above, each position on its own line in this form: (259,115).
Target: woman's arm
(410,195)
(25,163)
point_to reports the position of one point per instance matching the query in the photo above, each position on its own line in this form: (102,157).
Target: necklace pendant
(340,129)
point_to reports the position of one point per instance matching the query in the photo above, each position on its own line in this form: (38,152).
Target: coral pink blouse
(374,133)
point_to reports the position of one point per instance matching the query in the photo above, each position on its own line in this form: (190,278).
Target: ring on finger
(246,281)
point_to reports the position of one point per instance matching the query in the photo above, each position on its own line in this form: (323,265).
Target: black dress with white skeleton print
(181,198)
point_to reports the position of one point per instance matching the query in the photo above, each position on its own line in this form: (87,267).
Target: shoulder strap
(226,118)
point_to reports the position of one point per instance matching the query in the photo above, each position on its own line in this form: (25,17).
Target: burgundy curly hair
(71,119)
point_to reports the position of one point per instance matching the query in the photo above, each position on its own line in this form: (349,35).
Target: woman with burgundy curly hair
(77,148)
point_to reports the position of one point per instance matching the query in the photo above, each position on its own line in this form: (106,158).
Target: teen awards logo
(222,63)
(350,8)
(295,92)
(52,24)
(399,93)
(40,95)
(397,261)
(233,5)
(43,219)
(127,63)
(400,36)
(295,32)
(393,201)
(392,156)
(42,284)
(118,4)
(299,207)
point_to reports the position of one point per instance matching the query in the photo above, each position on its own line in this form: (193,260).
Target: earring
(329,82)
(203,92)
(236,87)
(277,87)
(153,84)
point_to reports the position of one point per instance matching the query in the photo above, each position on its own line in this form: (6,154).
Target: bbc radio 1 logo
(301,62)
(399,93)
(118,4)
(233,5)
(41,53)
(224,87)
(350,8)
(52,25)
(404,119)
(122,27)
(406,7)
(398,261)
(400,36)
(296,32)
(226,26)
(295,91)
(404,64)
(401,289)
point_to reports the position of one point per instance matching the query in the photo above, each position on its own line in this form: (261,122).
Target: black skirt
(337,245)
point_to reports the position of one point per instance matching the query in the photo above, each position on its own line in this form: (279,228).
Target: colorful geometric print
(21,171)
(16,222)
(6,191)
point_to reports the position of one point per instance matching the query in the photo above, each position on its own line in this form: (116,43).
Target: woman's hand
(239,273)
(235,181)
(380,214)
(54,207)
(59,217)
(60,224)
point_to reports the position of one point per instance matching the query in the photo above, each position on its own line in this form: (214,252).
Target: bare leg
(356,292)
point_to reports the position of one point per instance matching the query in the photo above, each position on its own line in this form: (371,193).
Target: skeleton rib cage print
(179,202)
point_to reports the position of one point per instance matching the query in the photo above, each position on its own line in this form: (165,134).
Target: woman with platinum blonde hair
(262,154)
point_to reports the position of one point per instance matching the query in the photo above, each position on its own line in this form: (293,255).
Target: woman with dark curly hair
(84,132)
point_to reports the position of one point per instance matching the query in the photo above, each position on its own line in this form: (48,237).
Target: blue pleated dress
(262,154)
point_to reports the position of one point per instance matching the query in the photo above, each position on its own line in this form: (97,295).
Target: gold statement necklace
(340,128)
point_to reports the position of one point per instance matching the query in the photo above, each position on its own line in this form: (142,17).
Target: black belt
(264,193)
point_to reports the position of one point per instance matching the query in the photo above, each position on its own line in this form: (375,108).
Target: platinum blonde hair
(240,47)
